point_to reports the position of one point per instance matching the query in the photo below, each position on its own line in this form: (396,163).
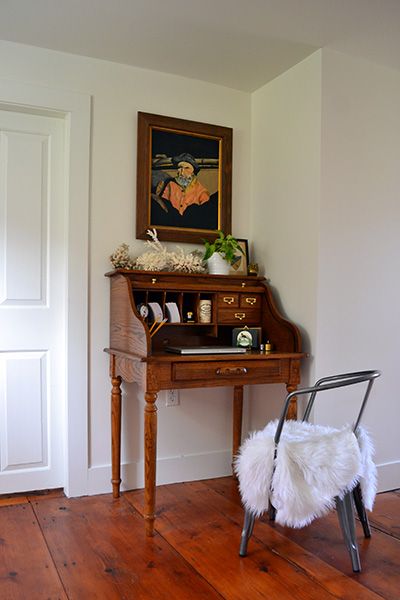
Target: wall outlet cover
(172,398)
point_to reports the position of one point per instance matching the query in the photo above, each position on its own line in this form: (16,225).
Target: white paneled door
(32,301)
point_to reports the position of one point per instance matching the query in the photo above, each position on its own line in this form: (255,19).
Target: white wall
(286,133)
(326,220)
(194,438)
(359,290)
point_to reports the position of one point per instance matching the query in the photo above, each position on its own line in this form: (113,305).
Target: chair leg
(345,513)
(248,526)
(362,514)
(271,512)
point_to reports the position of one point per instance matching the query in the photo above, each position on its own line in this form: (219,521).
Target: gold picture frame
(240,262)
(184,179)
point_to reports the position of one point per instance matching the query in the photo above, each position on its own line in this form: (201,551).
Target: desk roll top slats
(138,356)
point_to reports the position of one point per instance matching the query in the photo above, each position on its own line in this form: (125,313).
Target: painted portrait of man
(185,182)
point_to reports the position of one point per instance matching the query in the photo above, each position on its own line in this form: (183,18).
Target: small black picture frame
(246,337)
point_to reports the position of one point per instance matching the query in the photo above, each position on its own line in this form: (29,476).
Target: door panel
(32,301)
(24,211)
(24,402)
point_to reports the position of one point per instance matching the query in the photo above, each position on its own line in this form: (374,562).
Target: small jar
(205,311)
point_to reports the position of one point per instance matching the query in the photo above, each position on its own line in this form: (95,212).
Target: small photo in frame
(241,259)
(246,337)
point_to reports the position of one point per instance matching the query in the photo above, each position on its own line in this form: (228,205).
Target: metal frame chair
(344,505)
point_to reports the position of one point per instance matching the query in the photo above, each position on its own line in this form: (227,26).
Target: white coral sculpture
(158,258)
(120,259)
(155,259)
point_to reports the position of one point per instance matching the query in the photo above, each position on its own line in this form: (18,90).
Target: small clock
(143,310)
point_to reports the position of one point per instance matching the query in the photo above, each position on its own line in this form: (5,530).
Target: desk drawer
(233,300)
(262,370)
(228,299)
(236,316)
(250,300)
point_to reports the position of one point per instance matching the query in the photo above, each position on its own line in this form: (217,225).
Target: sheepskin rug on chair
(314,463)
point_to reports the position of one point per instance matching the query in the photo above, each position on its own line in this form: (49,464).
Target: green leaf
(226,245)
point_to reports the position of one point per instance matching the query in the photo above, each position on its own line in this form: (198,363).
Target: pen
(154,323)
(160,324)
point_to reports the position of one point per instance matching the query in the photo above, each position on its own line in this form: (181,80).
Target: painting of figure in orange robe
(185,182)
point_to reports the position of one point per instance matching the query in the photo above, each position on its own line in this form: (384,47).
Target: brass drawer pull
(240,316)
(231,371)
(229,299)
(251,301)
(154,280)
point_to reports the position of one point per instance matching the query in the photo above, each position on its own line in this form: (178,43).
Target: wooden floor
(94,547)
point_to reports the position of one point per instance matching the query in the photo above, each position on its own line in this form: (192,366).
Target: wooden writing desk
(136,356)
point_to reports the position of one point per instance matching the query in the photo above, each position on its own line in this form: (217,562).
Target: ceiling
(241,44)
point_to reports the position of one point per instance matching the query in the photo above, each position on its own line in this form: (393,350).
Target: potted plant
(221,253)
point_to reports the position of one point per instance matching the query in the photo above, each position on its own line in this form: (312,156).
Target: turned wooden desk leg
(237,418)
(116,434)
(292,410)
(150,457)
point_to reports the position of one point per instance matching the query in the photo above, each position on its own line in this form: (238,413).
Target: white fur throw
(314,464)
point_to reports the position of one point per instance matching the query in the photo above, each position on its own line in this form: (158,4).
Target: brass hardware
(229,299)
(240,316)
(251,301)
(252,269)
(231,371)
(154,280)
(243,284)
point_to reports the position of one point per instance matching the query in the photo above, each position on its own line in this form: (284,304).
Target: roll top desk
(138,348)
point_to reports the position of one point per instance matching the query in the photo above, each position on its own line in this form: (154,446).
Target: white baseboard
(191,467)
(389,476)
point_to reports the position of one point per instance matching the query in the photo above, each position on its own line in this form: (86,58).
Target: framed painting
(184,179)
(240,261)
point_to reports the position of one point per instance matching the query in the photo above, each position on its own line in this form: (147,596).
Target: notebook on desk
(205,350)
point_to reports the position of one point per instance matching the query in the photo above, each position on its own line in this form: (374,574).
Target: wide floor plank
(206,529)
(101,552)
(386,513)
(380,555)
(26,566)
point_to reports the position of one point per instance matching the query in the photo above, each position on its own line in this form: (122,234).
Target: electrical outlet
(172,398)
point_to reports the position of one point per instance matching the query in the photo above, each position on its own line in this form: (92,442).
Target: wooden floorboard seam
(48,547)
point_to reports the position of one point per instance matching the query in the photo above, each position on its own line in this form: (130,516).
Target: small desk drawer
(224,370)
(235,316)
(250,300)
(228,299)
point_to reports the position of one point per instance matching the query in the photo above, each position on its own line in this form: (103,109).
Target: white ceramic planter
(217,265)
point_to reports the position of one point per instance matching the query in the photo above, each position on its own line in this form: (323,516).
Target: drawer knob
(228,299)
(240,316)
(251,301)
(225,371)
(154,280)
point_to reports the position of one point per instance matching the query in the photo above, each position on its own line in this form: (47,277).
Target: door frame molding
(75,109)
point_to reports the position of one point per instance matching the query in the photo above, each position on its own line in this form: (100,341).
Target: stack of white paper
(156,311)
(172,312)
